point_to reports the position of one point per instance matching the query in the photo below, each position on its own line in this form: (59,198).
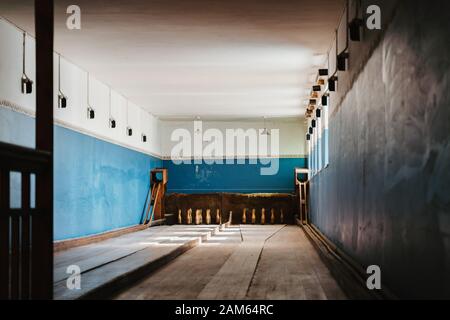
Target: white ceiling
(211,58)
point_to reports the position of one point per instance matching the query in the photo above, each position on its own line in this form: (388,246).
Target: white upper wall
(74,86)
(291,134)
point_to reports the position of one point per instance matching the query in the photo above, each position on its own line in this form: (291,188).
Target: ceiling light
(27,84)
(317,88)
(313,102)
(62,99)
(313,123)
(323,72)
(321,82)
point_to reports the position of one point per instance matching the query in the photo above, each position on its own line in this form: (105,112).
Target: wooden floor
(107,261)
(243,262)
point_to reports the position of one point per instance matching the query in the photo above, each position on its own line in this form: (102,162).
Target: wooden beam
(42,221)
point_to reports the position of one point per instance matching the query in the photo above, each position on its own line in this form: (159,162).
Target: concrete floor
(243,262)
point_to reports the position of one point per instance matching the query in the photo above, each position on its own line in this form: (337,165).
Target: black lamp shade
(323,72)
(342,61)
(355,29)
(112,123)
(332,84)
(313,102)
(129,131)
(62,101)
(91,113)
(311,130)
(27,85)
(317,88)
(324,100)
(313,123)
(318,113)
(144,138)
(308,137)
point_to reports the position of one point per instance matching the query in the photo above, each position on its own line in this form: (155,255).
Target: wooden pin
(197,217)
(244,216)
(218,217)
(272,216)
(281,216)
(230,219)
(180,220)
(208,216)
(253,216)
(263,216)
(189,216)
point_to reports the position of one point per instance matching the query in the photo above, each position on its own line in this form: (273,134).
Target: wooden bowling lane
(243,262)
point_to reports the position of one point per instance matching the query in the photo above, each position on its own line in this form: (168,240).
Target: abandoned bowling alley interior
(196,150)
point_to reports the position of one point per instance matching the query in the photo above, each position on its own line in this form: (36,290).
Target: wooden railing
(24,233)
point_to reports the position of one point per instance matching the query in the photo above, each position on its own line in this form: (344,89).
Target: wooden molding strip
(82,241)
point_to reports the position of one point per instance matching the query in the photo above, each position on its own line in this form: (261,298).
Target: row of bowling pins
(199,217)
(262,216)
(246,217)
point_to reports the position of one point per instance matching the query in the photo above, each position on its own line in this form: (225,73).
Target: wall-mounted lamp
(310,130)
(355,29)
(27,84)
(129,131)
(317,88)
(313,102)
(308,137)
(90,110)
(341,61)
(62,99)
(324,100)
(313,123)
(332,83)
(323,72)
(144,138)
(90,113)
(112,121)
(318,113)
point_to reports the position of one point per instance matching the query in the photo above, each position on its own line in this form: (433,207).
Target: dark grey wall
(385,198)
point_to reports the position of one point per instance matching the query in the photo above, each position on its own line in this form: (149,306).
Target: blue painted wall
(98,186)
(244,178)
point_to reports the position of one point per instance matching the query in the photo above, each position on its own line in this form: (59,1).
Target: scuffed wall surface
(385,198)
